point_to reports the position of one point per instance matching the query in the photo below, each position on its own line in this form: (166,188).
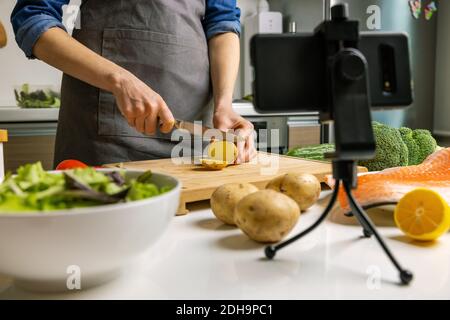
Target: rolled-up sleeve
(221,16)
(31,18)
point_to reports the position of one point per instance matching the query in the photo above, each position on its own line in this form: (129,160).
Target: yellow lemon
(212,164)
(223,151)
(423,214)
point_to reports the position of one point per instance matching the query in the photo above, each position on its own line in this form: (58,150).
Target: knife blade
(196,129)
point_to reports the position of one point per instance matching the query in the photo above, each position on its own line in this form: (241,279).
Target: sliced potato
(212,164)
(225,198)
(223,151)
(266,216)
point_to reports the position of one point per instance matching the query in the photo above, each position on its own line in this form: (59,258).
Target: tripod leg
(349,214)
(355,207)
(405,275)
(270,251)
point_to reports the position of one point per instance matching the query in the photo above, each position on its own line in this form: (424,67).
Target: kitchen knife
(197,129)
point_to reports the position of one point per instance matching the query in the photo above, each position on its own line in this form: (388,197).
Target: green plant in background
(37,99)
(248,97)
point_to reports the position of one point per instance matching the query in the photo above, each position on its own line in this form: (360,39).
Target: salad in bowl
(98,220)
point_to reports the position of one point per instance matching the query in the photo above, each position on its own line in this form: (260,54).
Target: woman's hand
(226,119)
(143,108)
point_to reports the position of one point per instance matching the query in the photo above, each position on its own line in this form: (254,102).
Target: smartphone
(290,71)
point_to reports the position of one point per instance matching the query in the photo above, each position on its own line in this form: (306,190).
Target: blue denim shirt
(31,18)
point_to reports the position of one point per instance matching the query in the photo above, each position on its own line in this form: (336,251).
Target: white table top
(199,258)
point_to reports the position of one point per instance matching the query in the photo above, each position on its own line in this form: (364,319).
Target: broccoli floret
(391,150)
(413,147)
(426,143)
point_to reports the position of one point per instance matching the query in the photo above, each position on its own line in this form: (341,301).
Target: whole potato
(303,188)
(266,216)
(225,198)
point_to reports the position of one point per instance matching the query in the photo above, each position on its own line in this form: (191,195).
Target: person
(132,68)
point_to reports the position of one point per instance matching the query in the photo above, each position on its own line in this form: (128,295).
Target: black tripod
(348,105)
(342,171)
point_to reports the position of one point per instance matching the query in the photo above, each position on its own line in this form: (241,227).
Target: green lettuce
(34,189)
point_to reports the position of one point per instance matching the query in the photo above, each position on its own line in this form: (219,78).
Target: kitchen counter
(246,109)
(199,258)
(15,114)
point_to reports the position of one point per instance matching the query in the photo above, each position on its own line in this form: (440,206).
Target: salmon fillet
(391,185)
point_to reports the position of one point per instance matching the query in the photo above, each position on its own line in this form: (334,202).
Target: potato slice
(212,164)
(223,151)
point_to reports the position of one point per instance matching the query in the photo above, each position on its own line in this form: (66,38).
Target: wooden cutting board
(199,184)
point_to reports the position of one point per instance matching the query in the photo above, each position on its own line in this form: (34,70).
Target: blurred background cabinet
(29,142)
(303,132)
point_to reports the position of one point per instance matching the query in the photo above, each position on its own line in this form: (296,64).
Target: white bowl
(46,251)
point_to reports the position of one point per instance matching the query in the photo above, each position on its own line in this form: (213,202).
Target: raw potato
(303,188)
(3,37)
(223,151)
(266,216)
(275,183)
(225,198)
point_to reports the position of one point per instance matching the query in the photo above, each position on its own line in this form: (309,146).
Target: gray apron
(163,43)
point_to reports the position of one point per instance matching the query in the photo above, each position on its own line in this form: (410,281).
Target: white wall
(248,7)
(16,69)
(442,100)
(306,13)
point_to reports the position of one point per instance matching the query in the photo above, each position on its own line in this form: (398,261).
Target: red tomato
(71,164)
